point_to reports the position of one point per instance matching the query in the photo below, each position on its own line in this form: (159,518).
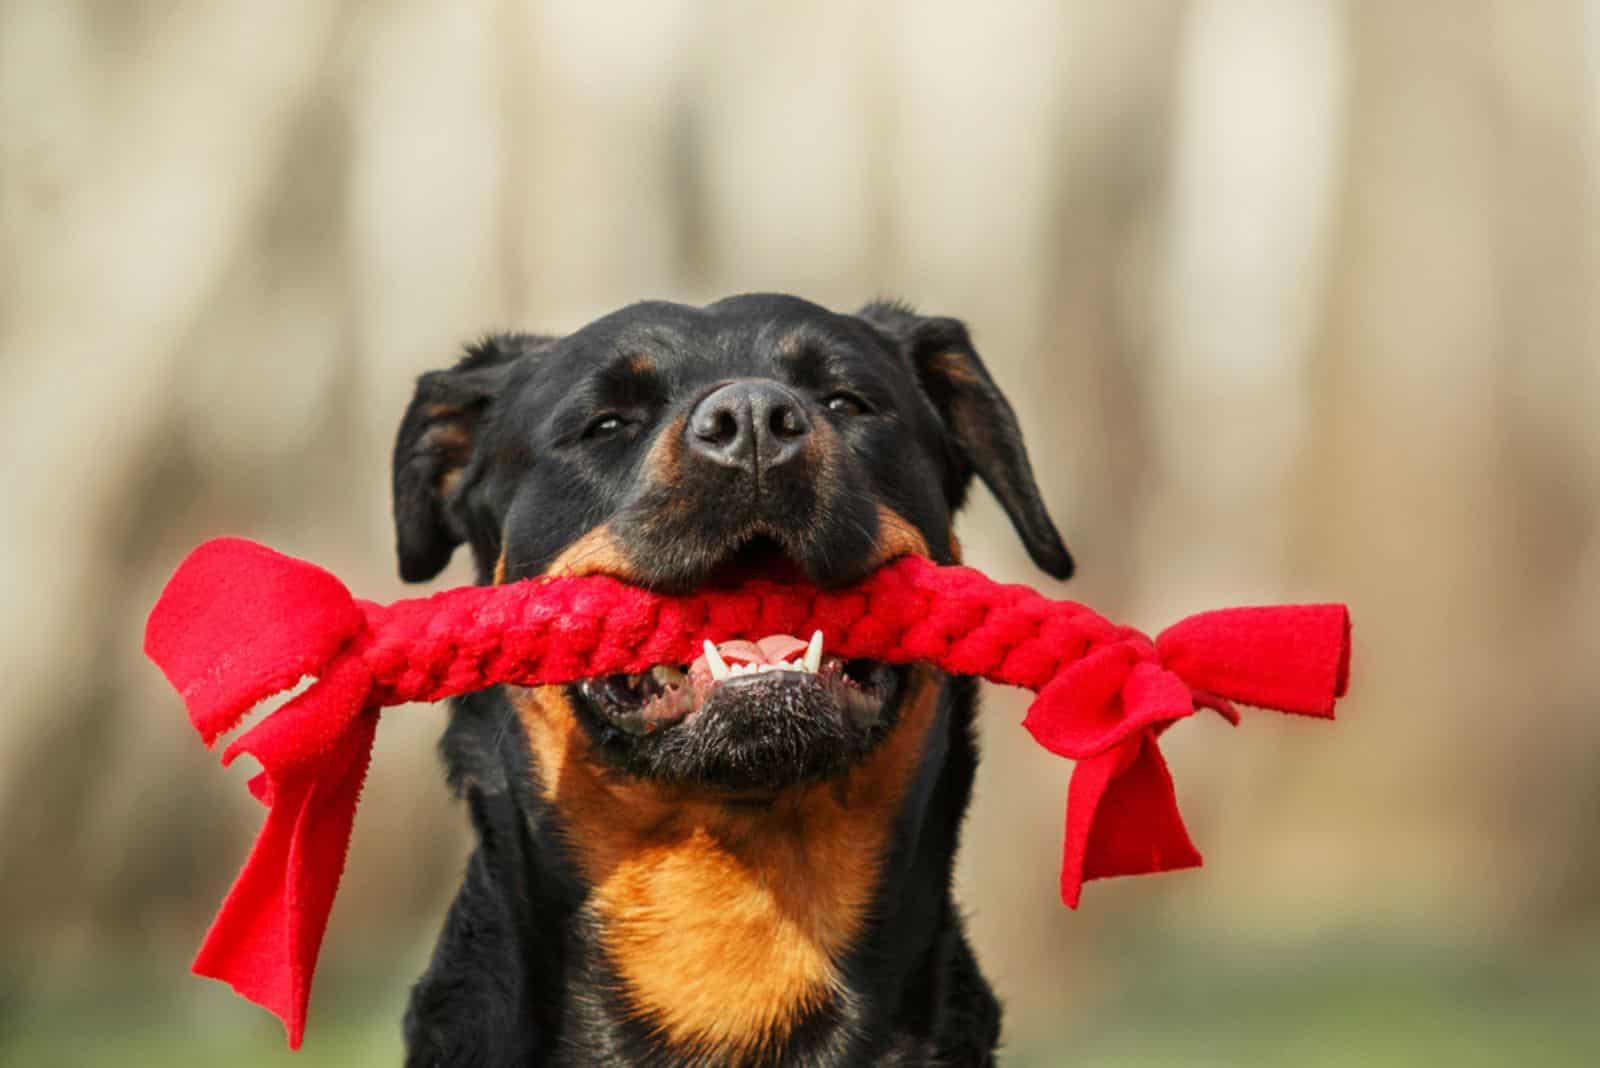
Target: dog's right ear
(979,423)
(435,447)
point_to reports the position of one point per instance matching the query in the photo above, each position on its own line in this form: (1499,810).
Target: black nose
(753,424)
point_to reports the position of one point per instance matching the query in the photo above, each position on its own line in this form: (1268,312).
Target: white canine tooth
(813,660)
(719,666)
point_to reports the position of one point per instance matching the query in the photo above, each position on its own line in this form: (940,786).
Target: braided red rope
(239,622)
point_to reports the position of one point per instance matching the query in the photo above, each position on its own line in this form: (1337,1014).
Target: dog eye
(604,426)
(845,404)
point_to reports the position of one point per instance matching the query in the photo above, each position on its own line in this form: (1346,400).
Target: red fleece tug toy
(239,622)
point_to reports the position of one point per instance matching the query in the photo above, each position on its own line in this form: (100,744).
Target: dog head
(678,448)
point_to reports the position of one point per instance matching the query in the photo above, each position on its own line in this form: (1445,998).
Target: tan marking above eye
(638,363)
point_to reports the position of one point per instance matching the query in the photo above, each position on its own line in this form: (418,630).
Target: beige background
(1295,301)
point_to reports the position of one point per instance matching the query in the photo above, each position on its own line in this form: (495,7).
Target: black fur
(510,452)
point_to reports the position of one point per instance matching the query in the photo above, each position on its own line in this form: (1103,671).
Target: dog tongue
(773,649)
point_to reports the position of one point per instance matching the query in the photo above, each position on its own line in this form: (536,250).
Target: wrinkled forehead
(682,347)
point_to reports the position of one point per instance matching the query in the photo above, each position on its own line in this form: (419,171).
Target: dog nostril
(716,427)
(786,422)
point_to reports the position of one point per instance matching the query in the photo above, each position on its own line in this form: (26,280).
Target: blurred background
(1294,300)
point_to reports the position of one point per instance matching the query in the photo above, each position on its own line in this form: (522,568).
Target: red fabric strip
(239,622)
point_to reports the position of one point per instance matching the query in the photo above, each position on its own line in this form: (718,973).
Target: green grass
(1321,1007)
(154,1046)
(1373,1007)
(135,1014)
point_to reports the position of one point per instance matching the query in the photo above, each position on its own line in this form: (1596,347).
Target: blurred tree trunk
(1546,221)
(1451,509)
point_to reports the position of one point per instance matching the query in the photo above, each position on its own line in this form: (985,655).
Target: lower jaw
(748,750)
(648,704)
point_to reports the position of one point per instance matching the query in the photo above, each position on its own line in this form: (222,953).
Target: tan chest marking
(726,923)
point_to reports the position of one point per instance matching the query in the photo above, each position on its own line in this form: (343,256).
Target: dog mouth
(729,674)
(746,717)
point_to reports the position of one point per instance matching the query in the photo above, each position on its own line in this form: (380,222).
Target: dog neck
(726,924)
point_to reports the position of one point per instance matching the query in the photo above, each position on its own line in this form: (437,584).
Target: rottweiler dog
(746,860)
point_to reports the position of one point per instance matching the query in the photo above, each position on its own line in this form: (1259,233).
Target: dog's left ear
(979,422)
(435,449)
